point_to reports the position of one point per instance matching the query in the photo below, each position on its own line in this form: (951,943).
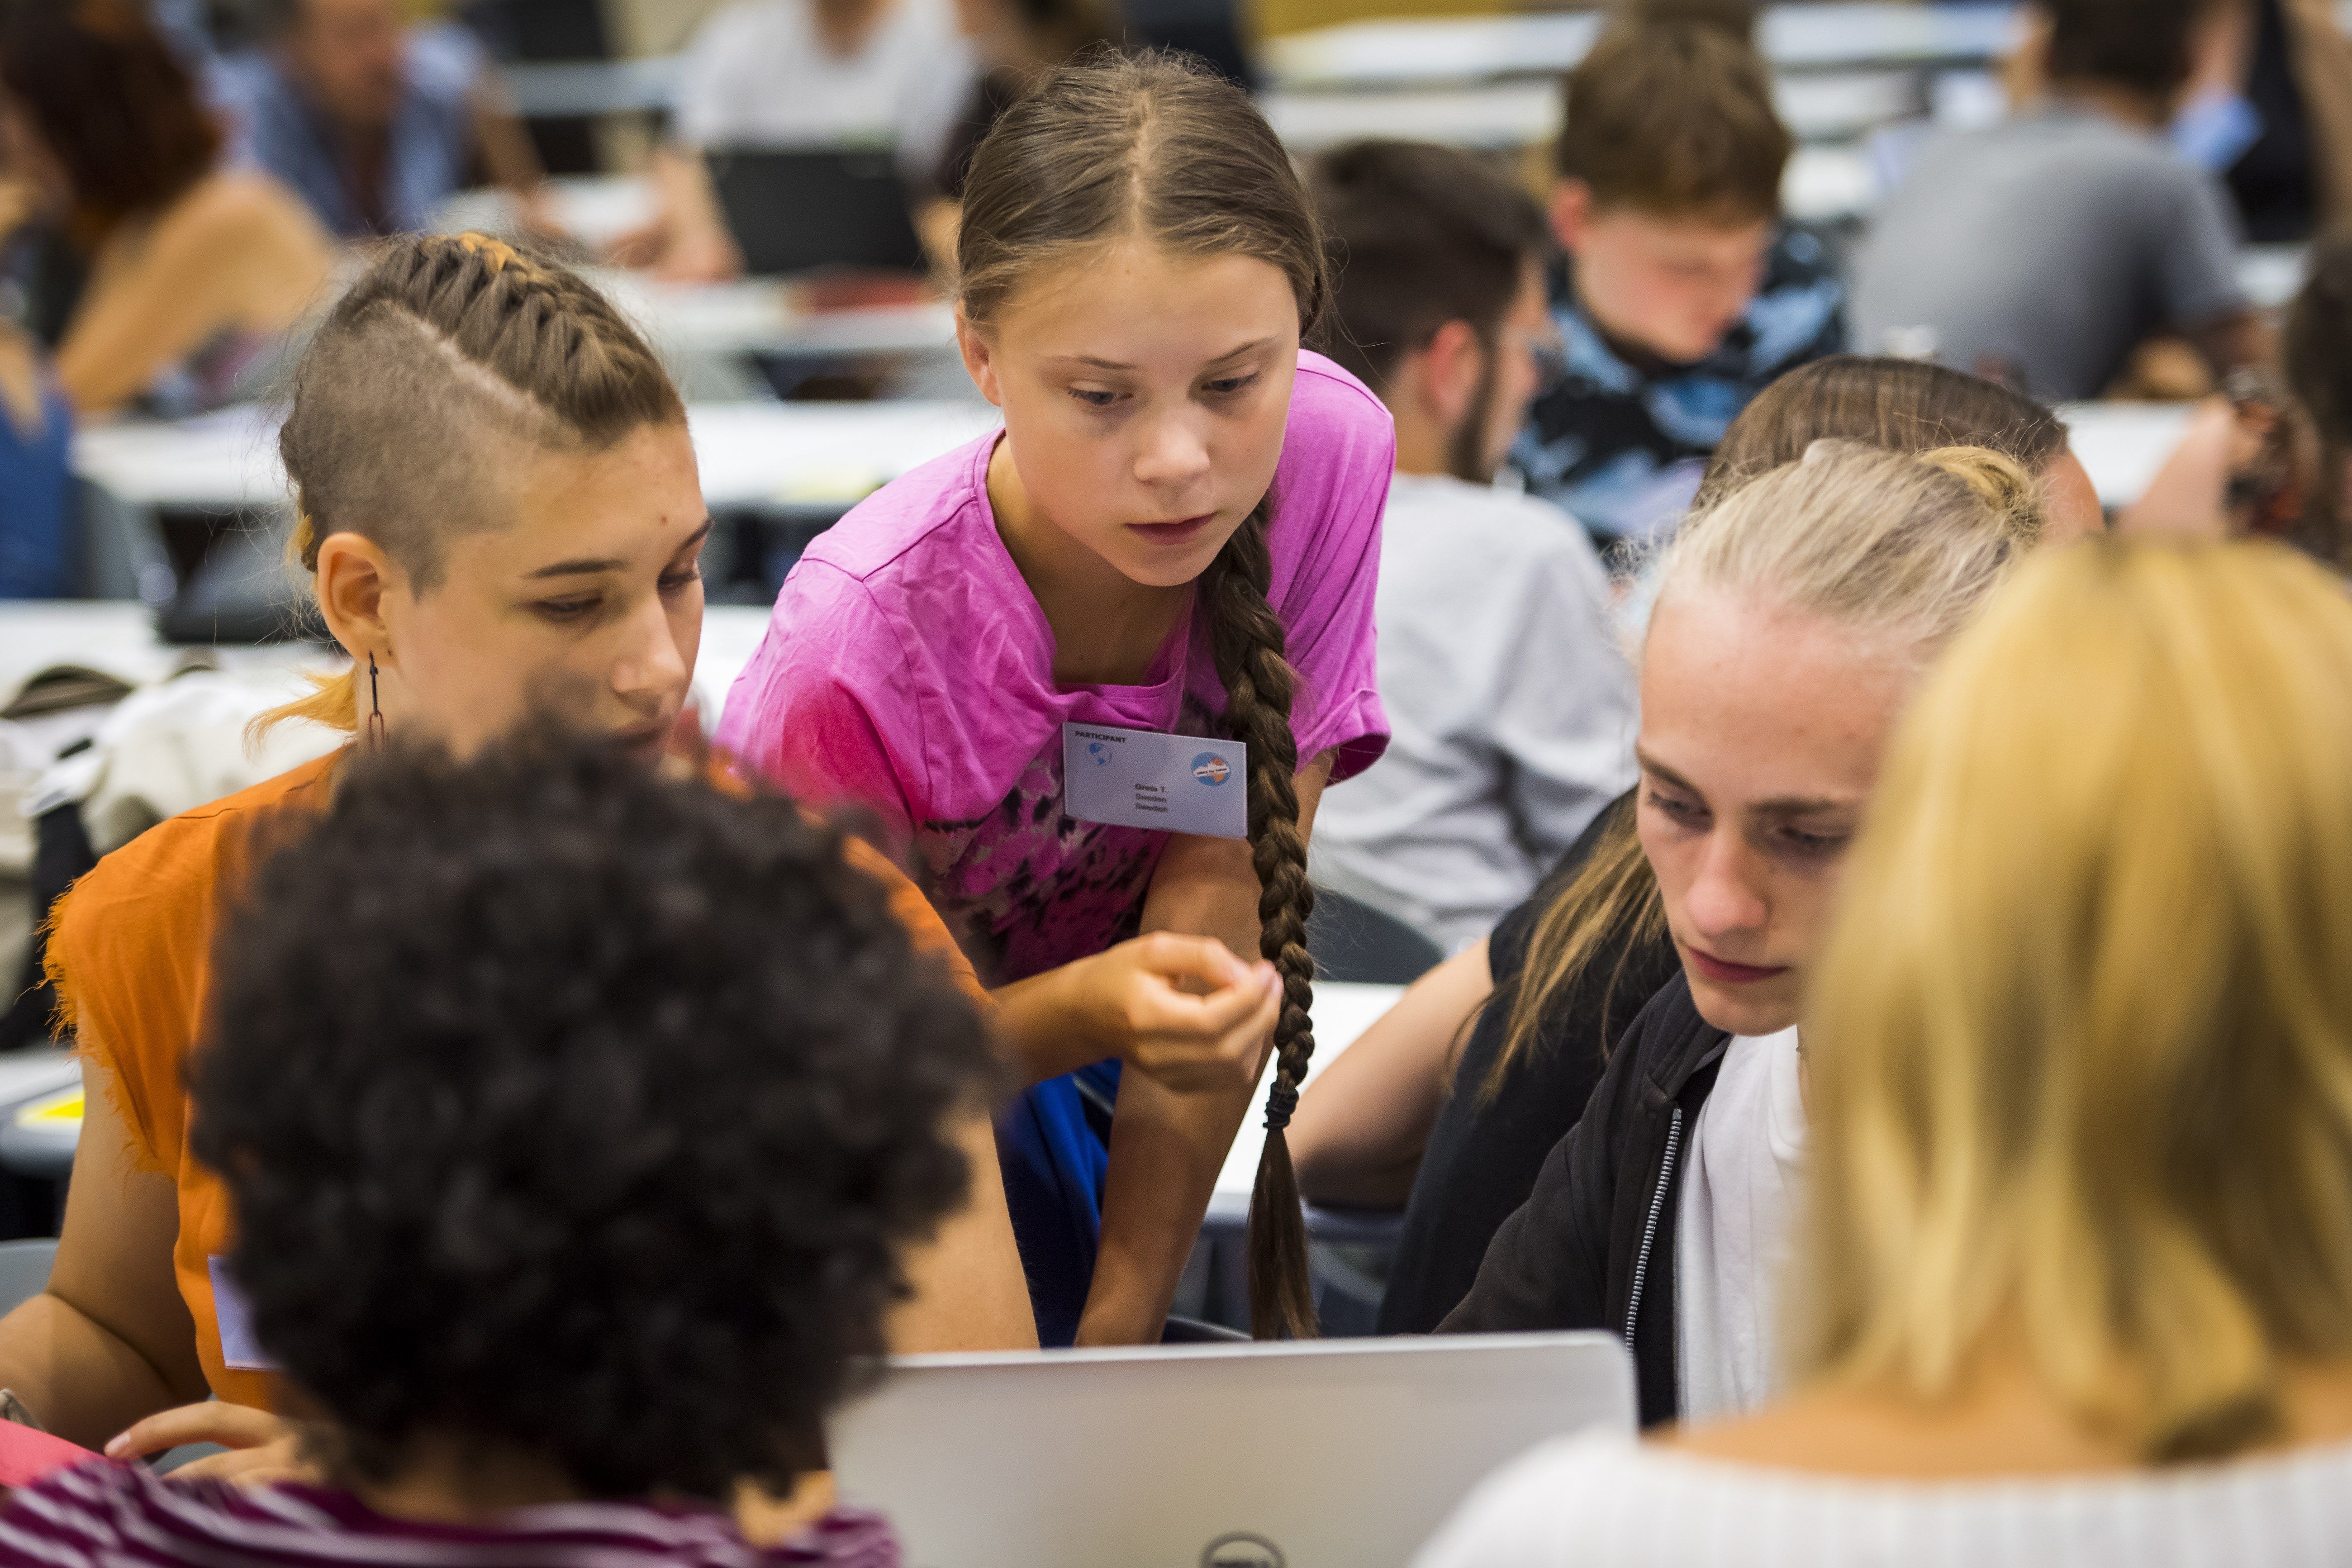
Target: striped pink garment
(105,1515)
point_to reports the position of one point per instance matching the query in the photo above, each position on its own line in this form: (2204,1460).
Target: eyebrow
(1114,365)
(587,566)
(1783,805)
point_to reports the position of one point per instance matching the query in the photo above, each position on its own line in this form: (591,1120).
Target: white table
(2123,444)
(1342,1013)
(751,454)
(1524,111)
(1471,48)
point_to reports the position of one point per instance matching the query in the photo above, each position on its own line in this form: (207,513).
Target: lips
(646,741)
(1182,531)
(1723,971)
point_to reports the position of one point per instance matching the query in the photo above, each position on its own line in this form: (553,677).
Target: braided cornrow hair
(1112,145)
(447,346)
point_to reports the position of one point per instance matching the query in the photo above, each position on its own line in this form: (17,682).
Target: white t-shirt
(1732,1227)
(1603,1501)
(759,74)
(1511,706)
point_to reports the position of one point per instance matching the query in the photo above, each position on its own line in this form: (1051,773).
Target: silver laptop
(1343,1454)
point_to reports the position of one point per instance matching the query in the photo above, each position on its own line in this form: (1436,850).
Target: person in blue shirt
(373,124)
(36,475)
(1681,294)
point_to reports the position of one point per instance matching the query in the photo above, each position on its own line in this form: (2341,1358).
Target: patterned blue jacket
(1621,444)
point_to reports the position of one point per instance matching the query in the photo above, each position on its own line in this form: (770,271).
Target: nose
(1174,454)
(1727,897)
(647,667)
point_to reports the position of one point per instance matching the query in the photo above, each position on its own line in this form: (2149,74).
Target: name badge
(240,1351)
(1140,778)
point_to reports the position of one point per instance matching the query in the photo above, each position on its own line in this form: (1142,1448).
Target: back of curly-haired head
(1148,146)
(573,1112)
(409,403)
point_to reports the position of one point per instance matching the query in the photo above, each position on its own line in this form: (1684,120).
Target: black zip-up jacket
(1593,1247)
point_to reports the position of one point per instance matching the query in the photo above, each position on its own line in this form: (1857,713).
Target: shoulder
(1338,454)
(1324,401)
(1798,259)
(1566,1501)
(1466,527)
(931,508)
(238,214)
(162,881)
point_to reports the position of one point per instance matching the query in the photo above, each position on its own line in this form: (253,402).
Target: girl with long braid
(1175,534)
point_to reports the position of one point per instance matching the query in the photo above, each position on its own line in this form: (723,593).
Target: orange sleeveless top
(130,953)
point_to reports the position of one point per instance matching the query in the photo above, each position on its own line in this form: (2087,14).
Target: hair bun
(2001,482)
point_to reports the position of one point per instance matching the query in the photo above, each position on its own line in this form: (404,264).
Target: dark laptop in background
(798,209)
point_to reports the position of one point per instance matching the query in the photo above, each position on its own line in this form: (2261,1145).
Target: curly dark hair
(571,1112)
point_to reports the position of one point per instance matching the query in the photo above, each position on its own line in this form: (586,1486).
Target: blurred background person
(797,73)
(155,271)
(1512,704)
(1014,40)
(373,124)
(2045,250)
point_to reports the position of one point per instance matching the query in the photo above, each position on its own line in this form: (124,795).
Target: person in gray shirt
(1512,706)
(2042,251)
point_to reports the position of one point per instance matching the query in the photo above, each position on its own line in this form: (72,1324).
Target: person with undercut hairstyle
(1512,706)
(576,1120)
(499,511)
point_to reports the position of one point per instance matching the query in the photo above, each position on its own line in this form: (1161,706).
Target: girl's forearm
(1165,1147)
(1041,1027)
(79,1379)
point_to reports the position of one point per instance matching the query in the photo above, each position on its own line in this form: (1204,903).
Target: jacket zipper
(1650,1230)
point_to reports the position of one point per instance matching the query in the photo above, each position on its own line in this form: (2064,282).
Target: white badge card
(1140,778)
(240,1351)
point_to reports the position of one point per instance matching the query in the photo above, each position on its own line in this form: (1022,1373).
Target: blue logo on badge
(1099,752)
(1211,769)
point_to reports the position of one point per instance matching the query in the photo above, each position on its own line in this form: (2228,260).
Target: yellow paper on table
(52,1110)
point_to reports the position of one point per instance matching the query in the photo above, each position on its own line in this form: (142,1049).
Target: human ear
(1571,213)
(979,357)
(354,575)
(1454,364)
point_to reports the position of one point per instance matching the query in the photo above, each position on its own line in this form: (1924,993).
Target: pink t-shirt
(908,670)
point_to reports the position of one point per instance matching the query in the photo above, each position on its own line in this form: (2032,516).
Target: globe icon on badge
(1099,752)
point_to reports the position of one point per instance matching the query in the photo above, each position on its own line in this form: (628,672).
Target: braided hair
(1111,145)
(449,346)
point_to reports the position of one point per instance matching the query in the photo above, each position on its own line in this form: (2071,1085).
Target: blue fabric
(1621,442)
(36,487)
(278,129)
(1054,1144)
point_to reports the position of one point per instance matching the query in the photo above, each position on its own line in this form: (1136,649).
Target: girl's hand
(262,1448)
(1182,1009)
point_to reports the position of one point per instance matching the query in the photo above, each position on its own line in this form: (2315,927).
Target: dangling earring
(376,741)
